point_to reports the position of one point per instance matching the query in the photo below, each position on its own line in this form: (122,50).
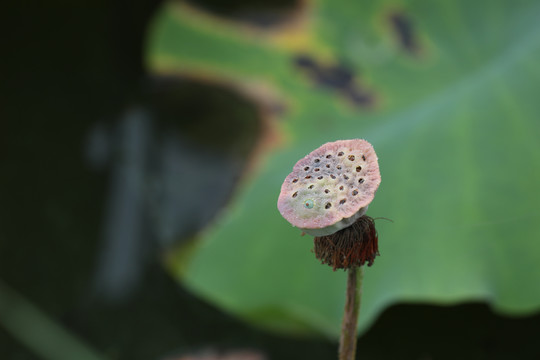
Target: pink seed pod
(331,187)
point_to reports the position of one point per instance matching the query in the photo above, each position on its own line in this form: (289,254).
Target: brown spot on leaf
(337,77)
(260,13)
(404,30)
(361,98)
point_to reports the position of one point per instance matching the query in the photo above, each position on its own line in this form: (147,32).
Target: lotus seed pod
(331,187)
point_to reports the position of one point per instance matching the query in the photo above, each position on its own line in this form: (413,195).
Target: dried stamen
(352,246)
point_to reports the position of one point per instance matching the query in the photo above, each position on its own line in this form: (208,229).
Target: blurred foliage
(447,94)
(37,331)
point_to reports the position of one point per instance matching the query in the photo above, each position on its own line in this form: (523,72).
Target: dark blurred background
(81,250)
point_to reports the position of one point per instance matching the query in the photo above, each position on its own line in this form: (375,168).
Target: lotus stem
(347,341)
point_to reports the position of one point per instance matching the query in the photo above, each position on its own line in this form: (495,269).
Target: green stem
(347,341)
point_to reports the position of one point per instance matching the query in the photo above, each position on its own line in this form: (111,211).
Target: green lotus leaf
(447,93)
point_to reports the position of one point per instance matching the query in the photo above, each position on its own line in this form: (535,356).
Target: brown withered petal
(350,247)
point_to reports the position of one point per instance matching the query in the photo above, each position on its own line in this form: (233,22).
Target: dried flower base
(350,247)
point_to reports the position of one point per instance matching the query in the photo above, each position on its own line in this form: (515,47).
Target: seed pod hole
(361,181)
(342,201)
(355,192)
(306,168)
(358,168)
(317,161)
(327,206)
(326,191)
(328,156)
(308,177)
(310,187)
(340,153)
(345,177)
(351,157)
(364,157)
(317,169)
(295,194)
(320,177)
(341,188)
(295,181)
